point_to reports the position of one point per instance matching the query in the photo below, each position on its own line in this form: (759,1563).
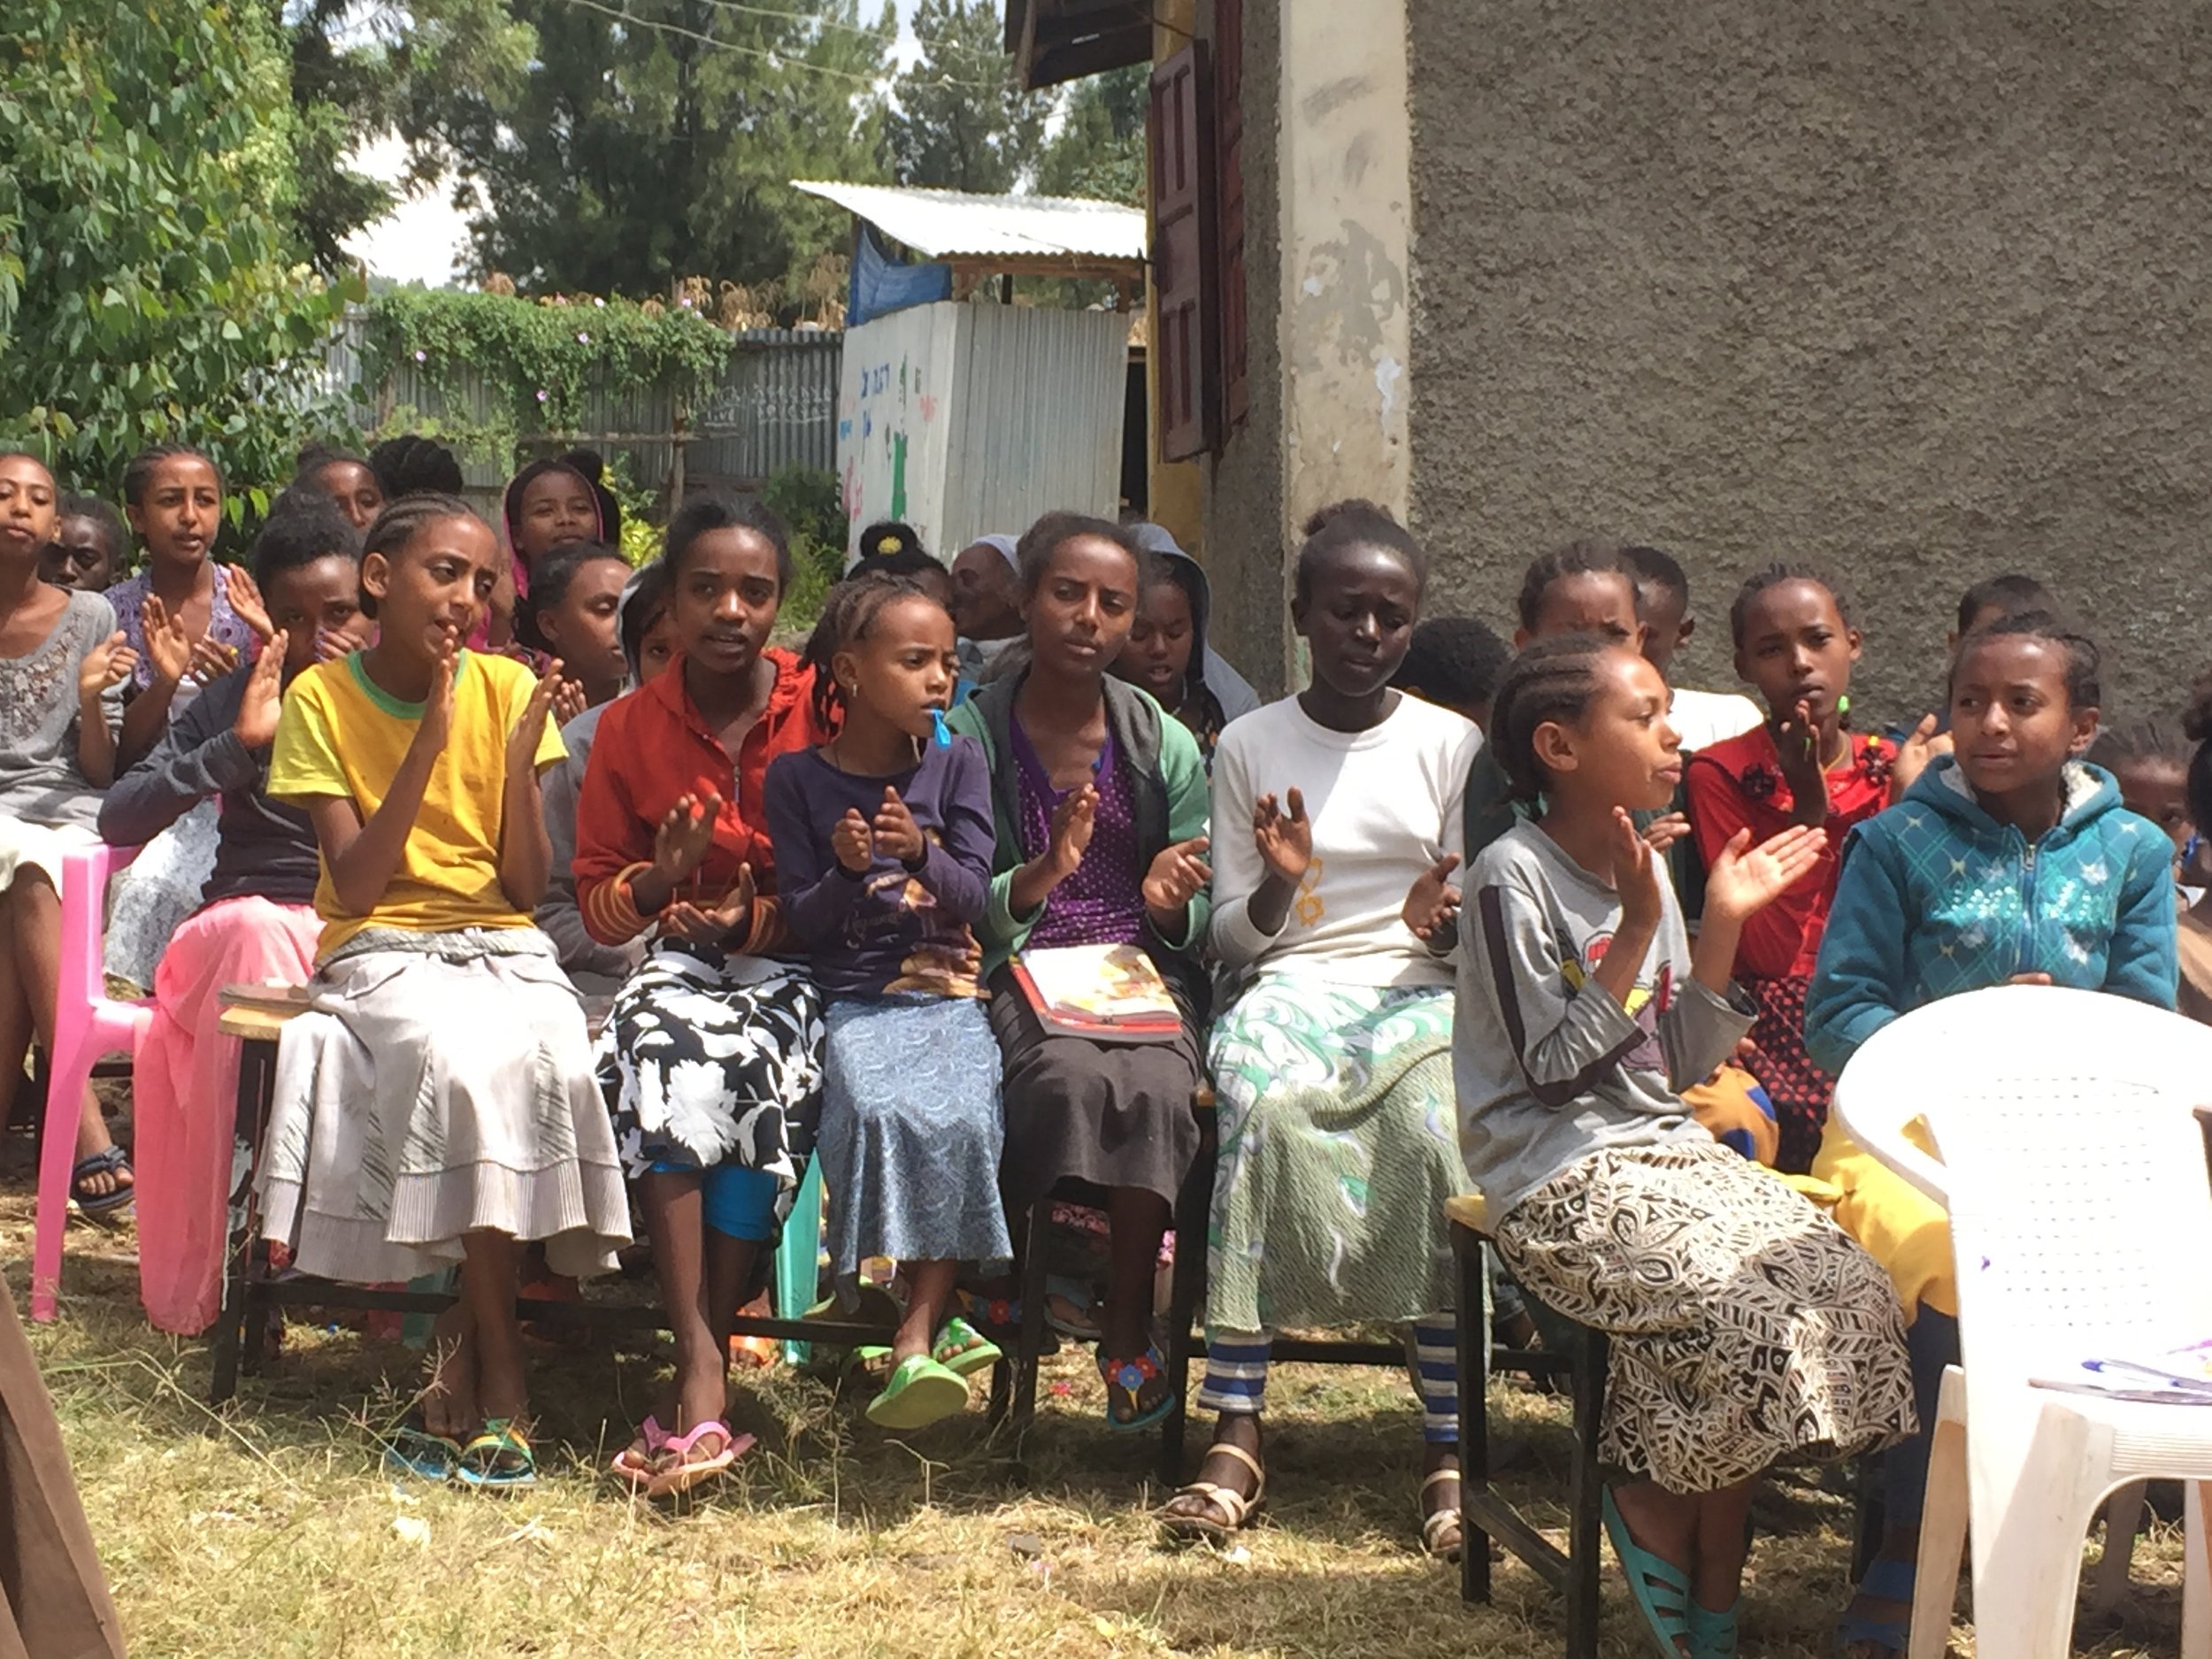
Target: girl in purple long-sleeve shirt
(884,840)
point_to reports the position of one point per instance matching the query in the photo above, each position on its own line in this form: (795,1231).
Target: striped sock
(1236,1373)
(1436,1374)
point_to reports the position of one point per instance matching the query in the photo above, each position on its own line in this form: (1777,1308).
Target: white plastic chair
(2074,1169)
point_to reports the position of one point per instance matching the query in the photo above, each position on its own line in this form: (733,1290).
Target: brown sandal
(1235,1505)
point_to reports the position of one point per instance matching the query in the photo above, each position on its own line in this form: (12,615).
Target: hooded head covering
(1209,679)
(587,468)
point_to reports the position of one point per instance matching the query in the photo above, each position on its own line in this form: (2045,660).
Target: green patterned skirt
(1339,1143)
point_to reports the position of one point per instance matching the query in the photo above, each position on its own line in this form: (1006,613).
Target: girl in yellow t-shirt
(438,1103)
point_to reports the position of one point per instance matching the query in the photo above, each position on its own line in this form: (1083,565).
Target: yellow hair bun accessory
(888,544)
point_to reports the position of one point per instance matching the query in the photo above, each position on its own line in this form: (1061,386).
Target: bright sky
(421,241)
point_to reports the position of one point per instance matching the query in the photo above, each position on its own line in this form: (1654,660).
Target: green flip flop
(964,1350)
(1714,1635)
(498,1460)
(921,1392)
(1661,1588)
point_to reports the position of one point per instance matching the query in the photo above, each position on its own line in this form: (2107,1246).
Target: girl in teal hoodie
(2013,863)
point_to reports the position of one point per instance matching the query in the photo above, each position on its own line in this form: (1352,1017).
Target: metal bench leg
(1187,1290)
(1474,1417)
(1582,1550)
(257,1076)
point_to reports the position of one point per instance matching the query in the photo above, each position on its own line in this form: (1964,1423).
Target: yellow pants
(1893,1221)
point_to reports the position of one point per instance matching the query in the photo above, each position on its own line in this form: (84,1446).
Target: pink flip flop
(687,1472)
(622,1466)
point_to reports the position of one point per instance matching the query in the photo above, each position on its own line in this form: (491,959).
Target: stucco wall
(1244,497)
(1915,293)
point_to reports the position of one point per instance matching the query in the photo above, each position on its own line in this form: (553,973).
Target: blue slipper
(1886,1580)
(1661,1588)
(411,1449)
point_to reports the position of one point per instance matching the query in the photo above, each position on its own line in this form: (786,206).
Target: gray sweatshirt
(1549,1068)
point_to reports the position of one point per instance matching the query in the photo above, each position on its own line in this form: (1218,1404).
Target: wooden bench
(1014,1387)
(250,1292)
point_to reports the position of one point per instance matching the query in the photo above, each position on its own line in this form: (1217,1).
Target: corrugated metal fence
(775,407)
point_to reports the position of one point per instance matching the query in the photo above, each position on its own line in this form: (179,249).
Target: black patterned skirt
(1748,1329)
(709,1060)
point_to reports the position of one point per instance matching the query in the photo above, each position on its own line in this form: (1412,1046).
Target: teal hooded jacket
(1937,897)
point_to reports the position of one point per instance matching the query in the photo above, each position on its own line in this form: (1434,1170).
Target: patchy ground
(270,1529)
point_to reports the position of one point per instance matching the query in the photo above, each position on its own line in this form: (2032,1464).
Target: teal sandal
(1662,1589)
(1713,1635)
(921,1392)
(1126,1381)
(964,1350)
(498,1460)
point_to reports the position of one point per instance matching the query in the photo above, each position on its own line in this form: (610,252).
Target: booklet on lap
(1108,993)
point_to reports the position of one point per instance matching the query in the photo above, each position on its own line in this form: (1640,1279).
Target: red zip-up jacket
(651,747)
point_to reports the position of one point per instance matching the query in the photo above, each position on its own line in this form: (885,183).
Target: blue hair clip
(942,737)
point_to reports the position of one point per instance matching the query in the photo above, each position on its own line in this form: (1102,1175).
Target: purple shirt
(890,929)
(225,627)
(1102,902)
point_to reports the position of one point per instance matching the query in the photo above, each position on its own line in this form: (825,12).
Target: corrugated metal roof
(954,223)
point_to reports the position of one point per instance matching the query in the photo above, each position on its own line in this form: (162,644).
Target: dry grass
(269,1529)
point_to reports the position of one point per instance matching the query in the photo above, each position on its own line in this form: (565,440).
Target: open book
(2181,1375)
(1108,993)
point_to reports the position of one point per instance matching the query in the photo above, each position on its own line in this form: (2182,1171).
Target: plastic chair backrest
(2081,1210)
(83,970)
(87,1023)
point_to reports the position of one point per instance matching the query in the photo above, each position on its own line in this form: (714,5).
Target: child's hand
(255,724)
(2029,978)
(1433,901)
(1745,880)
(210,661)
(1797,745)
(684,836)
(1663,831)
(522,743)
(168,647)
(1636,874)
(568,701)
(333,643)
(105,666)
(712,925)
(1177,877)
(854,843)
(897,834)
(246,600)
(1285,840)
(1071,837)
(437,707)
(1921,746)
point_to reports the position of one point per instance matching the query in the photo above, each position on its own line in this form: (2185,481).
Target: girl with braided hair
(1746,1329)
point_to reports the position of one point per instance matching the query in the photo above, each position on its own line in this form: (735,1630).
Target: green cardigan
(1169,791)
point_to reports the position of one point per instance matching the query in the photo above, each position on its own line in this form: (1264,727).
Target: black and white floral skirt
(1748,1329)
(708,1060)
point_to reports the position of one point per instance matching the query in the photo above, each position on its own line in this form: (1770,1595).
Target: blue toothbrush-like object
(942,737)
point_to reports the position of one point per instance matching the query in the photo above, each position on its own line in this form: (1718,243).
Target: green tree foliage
(961,120)
(1098,151)
(631,153)
(149,288)
(363,71)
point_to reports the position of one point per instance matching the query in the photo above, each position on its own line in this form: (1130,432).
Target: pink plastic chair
(88,1024)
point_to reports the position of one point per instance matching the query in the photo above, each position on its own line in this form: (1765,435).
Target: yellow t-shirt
(341,736)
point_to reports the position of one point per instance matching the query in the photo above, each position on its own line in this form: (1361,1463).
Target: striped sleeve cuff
(609,915)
